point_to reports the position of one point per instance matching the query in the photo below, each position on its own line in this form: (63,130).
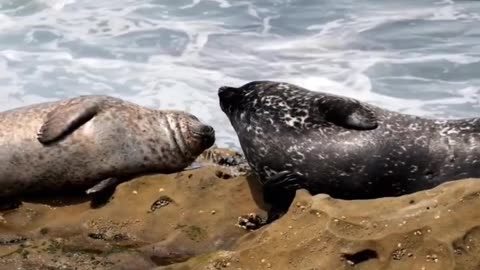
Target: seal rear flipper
(66,118)
(348,113)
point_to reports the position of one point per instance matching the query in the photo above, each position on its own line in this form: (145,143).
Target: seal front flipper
(284,180)
(102,185)
(103,191)
(195,165)
(279,191)
(66,118)
(348,113)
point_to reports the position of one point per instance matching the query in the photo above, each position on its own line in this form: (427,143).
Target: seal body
(92,142)
(296,138)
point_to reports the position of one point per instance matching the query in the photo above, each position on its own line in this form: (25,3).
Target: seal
(93,143)
(296,138)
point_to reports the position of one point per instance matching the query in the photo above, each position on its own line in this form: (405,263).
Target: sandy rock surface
(189,220)
(430,230)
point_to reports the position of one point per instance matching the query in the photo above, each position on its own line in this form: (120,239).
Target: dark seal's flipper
(285,180)
(279,191)
(348,113)
(66,118)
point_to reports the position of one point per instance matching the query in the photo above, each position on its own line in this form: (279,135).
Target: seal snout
(206,134)
(205,130)
(226,92)
(208,138)
(223,89)
(227,96)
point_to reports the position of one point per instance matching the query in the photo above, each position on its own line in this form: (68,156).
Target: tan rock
(435,229)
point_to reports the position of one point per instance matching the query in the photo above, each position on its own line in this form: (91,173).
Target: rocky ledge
(211,217)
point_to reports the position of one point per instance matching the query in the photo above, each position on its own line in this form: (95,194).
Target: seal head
(337,110)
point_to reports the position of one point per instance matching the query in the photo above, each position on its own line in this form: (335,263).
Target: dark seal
(92,143)
(295,138)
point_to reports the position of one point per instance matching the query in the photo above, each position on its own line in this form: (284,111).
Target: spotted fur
(283,127)
(119,139)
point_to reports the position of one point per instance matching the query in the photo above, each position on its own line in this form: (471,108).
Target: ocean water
(419,57)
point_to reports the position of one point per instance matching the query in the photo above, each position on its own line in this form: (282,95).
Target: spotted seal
(296,138)
(91,143)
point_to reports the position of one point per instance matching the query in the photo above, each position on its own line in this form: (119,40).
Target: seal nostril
(206,130)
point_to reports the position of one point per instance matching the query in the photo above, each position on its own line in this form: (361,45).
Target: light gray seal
(296,138)
(91,143)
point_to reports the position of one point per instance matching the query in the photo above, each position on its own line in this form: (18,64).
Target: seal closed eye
(296,138)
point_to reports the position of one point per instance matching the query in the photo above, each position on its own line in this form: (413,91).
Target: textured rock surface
(188,221)
(436,229)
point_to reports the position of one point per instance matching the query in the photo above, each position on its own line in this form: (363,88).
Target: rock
(201,219)
(434,229)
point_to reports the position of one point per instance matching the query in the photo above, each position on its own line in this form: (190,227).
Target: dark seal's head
(234,99)
(262,103)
